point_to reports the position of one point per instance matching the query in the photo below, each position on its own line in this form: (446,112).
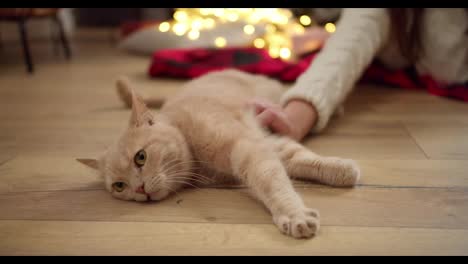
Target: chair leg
(1,41)
(25,42)
(63,37)
(55,39)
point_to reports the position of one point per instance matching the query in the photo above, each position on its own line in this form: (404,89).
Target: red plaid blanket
(196,62)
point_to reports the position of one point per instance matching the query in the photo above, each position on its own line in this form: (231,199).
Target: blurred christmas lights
(259,43)
(305,20)
(249,29)
(220,42)
(164,26)
(279,26)
(193,35)
(330,27)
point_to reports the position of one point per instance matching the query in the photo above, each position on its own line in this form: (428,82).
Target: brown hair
(406,28)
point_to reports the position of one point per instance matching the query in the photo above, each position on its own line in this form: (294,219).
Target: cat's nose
(141,189)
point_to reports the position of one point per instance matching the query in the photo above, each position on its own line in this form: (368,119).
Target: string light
(220,42)
(179,29)
(275,26)
(270,28)
(180,16)
(193,35)
(164,26)
(285,53)
(233,17)
(249,29)
(204,11)
(274,52)
(259,43)
(330,27)
(305,20)
(197,24)
(298,29)
(219,12)
(209,23)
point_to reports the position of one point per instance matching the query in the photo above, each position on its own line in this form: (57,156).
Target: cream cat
(208,134)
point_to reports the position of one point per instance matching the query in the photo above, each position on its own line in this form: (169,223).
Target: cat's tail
(125,94)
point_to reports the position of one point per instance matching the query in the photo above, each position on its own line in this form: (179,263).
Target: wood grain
(109,238)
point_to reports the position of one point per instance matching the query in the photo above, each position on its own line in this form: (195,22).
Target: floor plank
(441,140)
(107,238)
(412,207)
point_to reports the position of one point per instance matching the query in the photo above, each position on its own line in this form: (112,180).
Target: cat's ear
(141,115)
(92,163)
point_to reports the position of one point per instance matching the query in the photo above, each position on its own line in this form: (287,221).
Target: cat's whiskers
(183,163)
(188,179)
(185,172)
(178,177)
(193,176)
(183,182)
(191,173)
(171,164)
(184,177)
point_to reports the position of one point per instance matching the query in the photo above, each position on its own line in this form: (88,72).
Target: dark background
(104,17)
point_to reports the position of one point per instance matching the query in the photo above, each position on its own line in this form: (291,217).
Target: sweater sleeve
(360,34)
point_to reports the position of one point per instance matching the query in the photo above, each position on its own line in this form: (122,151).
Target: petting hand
(294,121)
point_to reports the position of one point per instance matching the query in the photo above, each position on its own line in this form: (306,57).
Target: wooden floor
(412,147)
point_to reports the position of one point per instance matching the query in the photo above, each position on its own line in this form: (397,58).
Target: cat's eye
(140,158)
(119,186)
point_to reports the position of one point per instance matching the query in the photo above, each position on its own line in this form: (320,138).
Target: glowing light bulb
(279,19)
(219,12)
(208,23)
(270,28)
(277,39)
(305,20)
(179,29)
(205,11)
(274,52)
(232,17)
(285,53)
(287,13)
(255,17)
(193,35)
(249,29)
(220,42)
(330,27)
(259,43)
(197,24)
(180,16)
(284,20)
(164,26)
(299,29)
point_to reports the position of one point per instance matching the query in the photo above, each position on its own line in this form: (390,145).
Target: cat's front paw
(304,224)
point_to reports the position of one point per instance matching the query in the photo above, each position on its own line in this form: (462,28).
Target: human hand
(294,120)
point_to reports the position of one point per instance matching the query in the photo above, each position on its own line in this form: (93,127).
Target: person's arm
(323,87)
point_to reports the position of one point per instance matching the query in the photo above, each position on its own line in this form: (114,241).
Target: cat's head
(148,160)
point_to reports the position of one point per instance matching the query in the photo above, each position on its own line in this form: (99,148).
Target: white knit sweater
(364,34)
